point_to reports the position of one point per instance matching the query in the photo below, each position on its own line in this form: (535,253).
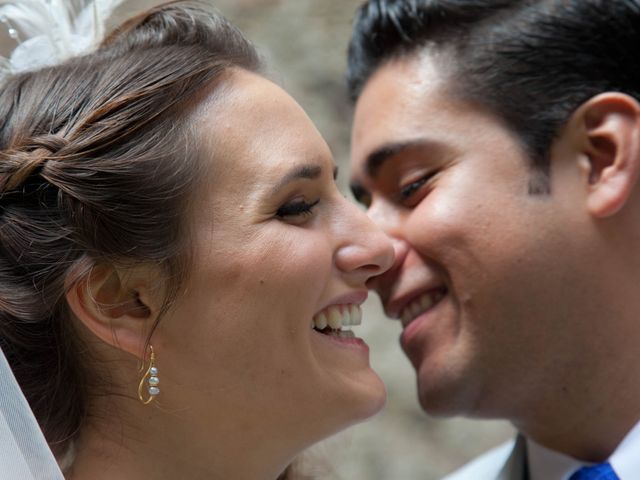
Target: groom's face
(476,255)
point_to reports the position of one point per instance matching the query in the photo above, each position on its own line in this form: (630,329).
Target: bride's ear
(120,307)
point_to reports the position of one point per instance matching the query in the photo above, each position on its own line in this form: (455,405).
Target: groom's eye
(361,195)
(409,195)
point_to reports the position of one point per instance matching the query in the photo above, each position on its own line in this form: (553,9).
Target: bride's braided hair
(97,165)
(17,165)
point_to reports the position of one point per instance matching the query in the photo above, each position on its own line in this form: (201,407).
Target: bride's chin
(375,399)
(366,401)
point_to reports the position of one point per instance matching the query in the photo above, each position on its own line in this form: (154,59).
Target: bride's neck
(159,445)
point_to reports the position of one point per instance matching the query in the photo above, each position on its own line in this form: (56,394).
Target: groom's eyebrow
(376,159)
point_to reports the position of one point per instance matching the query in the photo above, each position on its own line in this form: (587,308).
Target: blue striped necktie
(602,471)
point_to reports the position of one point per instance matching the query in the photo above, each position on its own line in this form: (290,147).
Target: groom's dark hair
(530,62)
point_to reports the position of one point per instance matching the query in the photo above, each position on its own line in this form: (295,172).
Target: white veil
(24,453)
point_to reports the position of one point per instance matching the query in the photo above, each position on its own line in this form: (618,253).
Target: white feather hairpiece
(48,32)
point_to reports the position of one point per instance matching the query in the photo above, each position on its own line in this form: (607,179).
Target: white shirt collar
(545,464)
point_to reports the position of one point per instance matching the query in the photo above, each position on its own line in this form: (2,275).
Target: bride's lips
(344,311)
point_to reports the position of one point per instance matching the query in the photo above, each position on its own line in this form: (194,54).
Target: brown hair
(95,167)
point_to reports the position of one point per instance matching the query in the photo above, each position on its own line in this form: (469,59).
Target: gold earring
(150,377)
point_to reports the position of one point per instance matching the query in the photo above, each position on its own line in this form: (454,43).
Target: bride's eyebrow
(310,172)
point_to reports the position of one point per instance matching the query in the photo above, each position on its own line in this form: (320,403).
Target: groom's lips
(407,306)
(421,304)
(414,310)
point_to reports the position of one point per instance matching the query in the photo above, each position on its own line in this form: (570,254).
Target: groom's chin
(444,394)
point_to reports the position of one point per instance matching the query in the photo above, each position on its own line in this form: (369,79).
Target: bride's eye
(296,208)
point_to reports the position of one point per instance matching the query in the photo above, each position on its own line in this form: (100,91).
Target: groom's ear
(606,132)
(119,306)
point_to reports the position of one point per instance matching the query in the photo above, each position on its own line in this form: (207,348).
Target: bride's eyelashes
(295,208)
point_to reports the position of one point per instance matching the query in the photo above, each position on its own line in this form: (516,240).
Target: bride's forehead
(252,120)
(251,99)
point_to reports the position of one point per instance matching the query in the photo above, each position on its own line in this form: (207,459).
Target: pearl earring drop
(150,380)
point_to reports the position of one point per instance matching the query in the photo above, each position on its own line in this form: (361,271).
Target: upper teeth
(338,316)
(420,305)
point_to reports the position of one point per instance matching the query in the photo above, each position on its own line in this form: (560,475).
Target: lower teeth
(337,333)
(343,333)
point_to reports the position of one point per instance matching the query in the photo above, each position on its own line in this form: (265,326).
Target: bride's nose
(364,251)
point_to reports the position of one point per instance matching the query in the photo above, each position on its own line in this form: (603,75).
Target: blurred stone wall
(304,43)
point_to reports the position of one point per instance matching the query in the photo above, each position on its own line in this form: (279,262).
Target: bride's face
(276,245)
